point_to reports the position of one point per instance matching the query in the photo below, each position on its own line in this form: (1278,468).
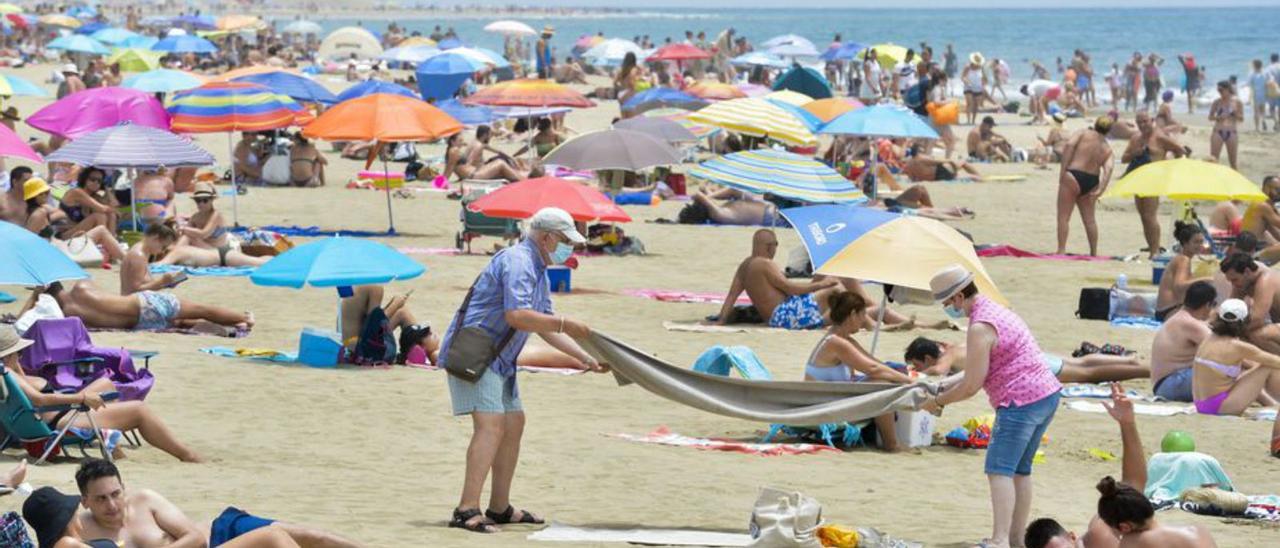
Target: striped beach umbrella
(529,93)
(59,20)
(756,117)
(781,174)
(132,146)
(11,85)
(789,97)
(296,86)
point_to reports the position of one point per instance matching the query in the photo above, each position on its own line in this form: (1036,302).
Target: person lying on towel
(142,311)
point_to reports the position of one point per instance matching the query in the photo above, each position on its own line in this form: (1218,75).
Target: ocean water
(1224,40)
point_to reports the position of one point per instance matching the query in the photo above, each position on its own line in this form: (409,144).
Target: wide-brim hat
(976,58)
(949,281)
(48,511)
(204,189)
(11,342)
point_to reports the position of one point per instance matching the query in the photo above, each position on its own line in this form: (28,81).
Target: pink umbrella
(93,109)
(12,145)
(754,90)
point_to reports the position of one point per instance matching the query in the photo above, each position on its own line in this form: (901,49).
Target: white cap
(1233,310)
(554,219)
(70,67)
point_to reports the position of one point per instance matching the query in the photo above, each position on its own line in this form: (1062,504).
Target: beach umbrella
(875,245)
(29,260)
(450,43)
(811,122)
(759,59)
(804,80)
(483,55)
(240,22)
(662,97)
(139,42)
(59,20)
(510,28)
(587,41)
(467,115)
(880,121)
(1186,179)
(227,107)
(163,81)
(93,109)
(416,41)
(620,149)
(681,117)
(296,86)
(440,76)
(83,11)
(13,146)
(659,128)
(715,91)
(794,50)
(888,54)
(78,43)
(92,27)
(337,262)
(842,52)
(132,146)
(529,92)
(199,22)
(789,97)
(369,87)
(521,200)
(780,174)
(348,42)
(409,54)
(827,110)
(302,26)
(678,53)
(7,8)
(135,60)
(787,39)
(384,118)
(184,44)
(18,21)
(756,117)
(611,52)
(249,71)
(112,35)
(11,85)
(754,90)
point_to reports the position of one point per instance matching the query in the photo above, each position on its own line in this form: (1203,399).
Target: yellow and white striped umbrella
(756,117)
(790,97)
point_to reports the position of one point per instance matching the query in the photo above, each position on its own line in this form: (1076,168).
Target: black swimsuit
(1087,181)
(1139,160)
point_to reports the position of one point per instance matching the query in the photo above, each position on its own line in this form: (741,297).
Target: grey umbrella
(667,130)
(620,149)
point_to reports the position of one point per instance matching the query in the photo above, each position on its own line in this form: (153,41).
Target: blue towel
(1095,391)
(217,271)
(1150,324)
(1169,474)
(6,298)
(719,360)
(228,352)
(316,232)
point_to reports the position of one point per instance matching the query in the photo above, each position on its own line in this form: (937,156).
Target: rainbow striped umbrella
(756,117)
(781,174)
(529,93)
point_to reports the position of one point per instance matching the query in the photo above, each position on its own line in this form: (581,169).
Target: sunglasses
(202,200)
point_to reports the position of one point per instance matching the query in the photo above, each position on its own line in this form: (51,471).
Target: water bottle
(1122,281)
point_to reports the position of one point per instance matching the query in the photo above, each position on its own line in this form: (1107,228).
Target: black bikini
(1087,181)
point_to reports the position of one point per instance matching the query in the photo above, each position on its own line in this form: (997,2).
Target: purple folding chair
(64,356)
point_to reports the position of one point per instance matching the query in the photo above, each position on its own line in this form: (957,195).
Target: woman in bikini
(1225,113)
(1229,374)
(1164,114)
(544,141)
(88,204)
(839,358)
(306,164)
(48,221)
(457,167)
(204,241)
(1177,275)
(624,83)
(248,156)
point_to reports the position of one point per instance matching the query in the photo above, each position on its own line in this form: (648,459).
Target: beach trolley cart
(475,224)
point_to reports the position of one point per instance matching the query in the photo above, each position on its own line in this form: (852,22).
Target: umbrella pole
(884,303)
(235,190)
(386,182)
(133,197)
(875,177)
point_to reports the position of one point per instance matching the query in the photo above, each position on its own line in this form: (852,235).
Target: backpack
(13,531)
(1095,304)
(377,344)
(914,97)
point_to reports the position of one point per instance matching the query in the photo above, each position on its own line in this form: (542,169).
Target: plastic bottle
(1122,281)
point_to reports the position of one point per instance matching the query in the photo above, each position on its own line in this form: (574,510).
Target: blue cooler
(320,347)
(1158,265)
(560,278)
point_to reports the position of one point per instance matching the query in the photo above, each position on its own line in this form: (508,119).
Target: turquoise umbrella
(162,81)
(114,36)
(79,43)
(29,260)
(337,262)
(13,85)
(880,121)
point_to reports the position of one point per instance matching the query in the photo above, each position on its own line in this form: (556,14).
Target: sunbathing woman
(204,241)
(457,165)
(47,221)
(1229,373)
(839,358)
(118,415)
(544,141)
(143,311)
(1177,275)
(88,204)
(306,163)
(942,359)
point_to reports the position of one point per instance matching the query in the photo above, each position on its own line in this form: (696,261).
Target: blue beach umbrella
(662,97)
(29,260)
(369,87)
(185,43)
(842,52)
(468,115)
(162,81)
(78,43)
(92,27)
(296,87)
(337,262)
(440,76)
(13,85)
(880,121)
(139,41)
(781,174)
(113,36)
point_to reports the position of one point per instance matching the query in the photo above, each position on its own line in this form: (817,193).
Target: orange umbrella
(828,109)
(529,93)
(715,91)
(239,22)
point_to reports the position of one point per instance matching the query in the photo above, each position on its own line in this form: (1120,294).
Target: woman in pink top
(1003,359)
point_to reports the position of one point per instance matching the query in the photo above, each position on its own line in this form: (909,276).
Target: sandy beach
(375,454)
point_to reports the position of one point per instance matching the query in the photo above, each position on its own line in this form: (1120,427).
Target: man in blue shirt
(512,294)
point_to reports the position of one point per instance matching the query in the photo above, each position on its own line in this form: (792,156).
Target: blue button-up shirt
(516,279)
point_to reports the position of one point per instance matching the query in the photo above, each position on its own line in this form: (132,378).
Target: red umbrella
(17,20)
(678,52)
(521,200)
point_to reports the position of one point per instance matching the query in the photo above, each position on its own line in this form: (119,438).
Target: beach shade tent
(227,107)
(240,23)
(520,200)
(611,52)
(662,129)
(875,245)
(78,43)
(1186,179)
(842,52)
(384,118)
(662,97)
(510,28)
(888,54)
(619,149)
(409,54)
(827,110)
(302,26)
(11,85)
(781,174)
(348,42)
(112,35)
(678,53)
(756,117)
(880,121)
(139,42)
(163,81)
(789,97)
(715,91)
(184,44)
(440,76)
(29,260)
(14,146)
(806,81)
(759,59)
(93,109)
(296,86)
(135,59)
(470,116)
(58,20)
(369,87)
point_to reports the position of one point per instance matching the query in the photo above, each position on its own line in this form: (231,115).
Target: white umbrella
(795,49)
(303,27)
(510,28)
(612,51)
(410,54)
(785,39)
(477,55)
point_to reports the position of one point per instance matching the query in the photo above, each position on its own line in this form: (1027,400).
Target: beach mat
(664,436)
(1098,391)
(678,296)
(1002,250)
(559,532)
(213,271)
(696,327)
(1139,408)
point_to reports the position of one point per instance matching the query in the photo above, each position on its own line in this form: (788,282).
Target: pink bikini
(1213,404)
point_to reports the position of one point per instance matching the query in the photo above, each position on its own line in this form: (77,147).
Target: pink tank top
(1016,374)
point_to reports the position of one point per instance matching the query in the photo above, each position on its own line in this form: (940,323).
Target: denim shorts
(493,393)
(1016,436)
(1175,386)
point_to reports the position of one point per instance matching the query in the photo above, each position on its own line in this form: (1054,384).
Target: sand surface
(375,454)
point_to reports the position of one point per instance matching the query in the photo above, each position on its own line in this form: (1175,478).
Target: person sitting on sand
(986,145)
(135,273)
(570,72)
(118,415)
(943,359)
(205,240)
(306,163)
(1051,146)
(1229,374)
(1260,287)
(365,305)
(839,358)
(107,514)
(921,167)
(1177,274)
(544,141)
(13,203)
(462,162)
(88,204)
(1262,220)
(143,311)
(248,158)
(154,195)
(1103,533)
(1164,114)
(48,221)
(1176,342)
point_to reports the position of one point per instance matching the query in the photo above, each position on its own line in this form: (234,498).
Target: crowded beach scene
(585,273)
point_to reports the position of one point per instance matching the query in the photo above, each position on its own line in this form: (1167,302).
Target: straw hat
(34,186)
(949,281)
(204,189)
(70,68)
(976,58)
(548,30)
(10,342)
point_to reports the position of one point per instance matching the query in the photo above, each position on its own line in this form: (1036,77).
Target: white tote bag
(785,519)
(276,170)
(81,249)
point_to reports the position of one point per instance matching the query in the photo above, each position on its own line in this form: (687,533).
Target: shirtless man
(146,310)
(922,167)
(745,210)
(71,82)
(1151,144)
(13,207)
(155,193)
(1084,175)
(143,518)
(985,144)
(1263,221)
(1178,339)
(1048,533)
(1260,287)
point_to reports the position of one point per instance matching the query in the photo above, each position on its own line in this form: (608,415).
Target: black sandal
(505,517)
(462,518)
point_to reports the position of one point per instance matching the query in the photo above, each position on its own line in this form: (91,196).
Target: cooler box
(1158,265)
(561,278)
(320,347)
(914,428)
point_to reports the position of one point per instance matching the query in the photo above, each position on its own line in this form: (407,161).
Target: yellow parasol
(1186,179)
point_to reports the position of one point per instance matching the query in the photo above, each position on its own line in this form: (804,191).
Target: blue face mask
(562,253)
(953,312)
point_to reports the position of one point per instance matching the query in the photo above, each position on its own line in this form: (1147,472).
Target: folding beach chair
(22,423)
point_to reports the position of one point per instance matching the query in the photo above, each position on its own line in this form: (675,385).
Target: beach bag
(276,170)
(46,308)
(261,243)
(1095,304)
(1126,304)
(944,114)
(377,344)
(80,249)
(785,519)
(13,531)
(1273,90)
(471,349)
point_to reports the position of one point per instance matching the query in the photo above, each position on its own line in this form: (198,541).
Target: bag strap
(462,312)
